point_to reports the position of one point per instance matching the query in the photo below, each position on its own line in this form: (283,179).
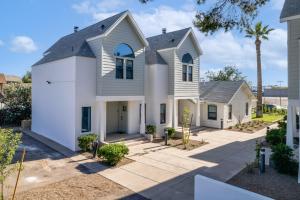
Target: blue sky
(29,27)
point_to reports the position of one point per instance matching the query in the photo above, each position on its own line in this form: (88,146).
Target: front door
(122,117)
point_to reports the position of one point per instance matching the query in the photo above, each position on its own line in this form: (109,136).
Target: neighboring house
(225,103)
(13,79)
(276,96)
(91,81)
(291,14)
(172,78)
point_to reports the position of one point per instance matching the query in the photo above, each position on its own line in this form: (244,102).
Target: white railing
(210,189)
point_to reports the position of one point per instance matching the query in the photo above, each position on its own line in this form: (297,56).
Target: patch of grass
(270,118)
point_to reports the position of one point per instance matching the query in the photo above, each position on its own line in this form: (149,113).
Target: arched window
(187,68)
(187,59)
(124,57)
(124,50)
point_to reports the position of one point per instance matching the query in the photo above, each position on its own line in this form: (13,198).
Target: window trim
(184,72)
(122,59)
(208,112)
(188,65)
(89,122)
(163,115)
(230,112)
(190,75)
(126,61)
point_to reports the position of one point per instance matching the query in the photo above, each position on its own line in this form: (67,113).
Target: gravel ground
(83,187)
(271,184)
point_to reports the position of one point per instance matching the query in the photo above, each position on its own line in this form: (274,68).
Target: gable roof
(164,41)
(220,91)
(75,44)
(291,10)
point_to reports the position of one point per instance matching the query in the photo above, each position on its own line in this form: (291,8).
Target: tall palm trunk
(259,112)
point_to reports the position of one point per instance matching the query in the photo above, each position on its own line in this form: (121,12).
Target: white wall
(133,117)
(85,91)
(53,105)
(210,189)
(184,103)
(204,115)
(238,108)
(156,93)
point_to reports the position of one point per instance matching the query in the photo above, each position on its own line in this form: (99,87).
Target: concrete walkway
(168,173)
(162,172)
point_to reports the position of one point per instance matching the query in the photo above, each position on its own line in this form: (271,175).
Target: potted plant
(150,131)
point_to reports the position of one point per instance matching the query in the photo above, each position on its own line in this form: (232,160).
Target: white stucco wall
(156,93)
(204,115)
(53,105)
(85,85)
(191,106)
(133,117)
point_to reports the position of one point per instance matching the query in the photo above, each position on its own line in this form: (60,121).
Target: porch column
(198,112)
(175,113)
(102,118)
(142,123)
(291,119)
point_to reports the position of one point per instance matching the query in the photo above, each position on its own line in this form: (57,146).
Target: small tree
(17,104)
(27,77)
(229,73)
(185,127)
(9,143)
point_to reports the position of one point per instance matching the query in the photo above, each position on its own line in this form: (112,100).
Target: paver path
(168,173)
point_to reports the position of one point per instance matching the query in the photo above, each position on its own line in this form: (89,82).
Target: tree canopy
(229,73)
(225,14)
(27,77)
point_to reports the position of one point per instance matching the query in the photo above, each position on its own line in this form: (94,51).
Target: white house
(291,14)
(225,103)
(108,78)
(91,81)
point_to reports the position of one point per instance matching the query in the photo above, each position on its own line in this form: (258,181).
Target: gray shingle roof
(75,44)
(219,91)
(163,41)
(291,8)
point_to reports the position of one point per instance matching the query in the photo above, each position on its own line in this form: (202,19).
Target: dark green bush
(150,129)
(282,125)
(171,132)
(85,141)
(282,158)
(113,153)
(276,136)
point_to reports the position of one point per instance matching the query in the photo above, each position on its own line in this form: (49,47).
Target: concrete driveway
(168,173)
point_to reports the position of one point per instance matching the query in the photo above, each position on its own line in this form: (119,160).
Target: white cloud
(277,4)
(220,49)
(23,44)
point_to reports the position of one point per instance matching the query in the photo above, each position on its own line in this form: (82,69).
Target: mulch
(177,143)
(270,184)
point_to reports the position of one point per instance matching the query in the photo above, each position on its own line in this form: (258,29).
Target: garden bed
(82,187)
(177,143)
(271,184)
(250,127)
(123,162)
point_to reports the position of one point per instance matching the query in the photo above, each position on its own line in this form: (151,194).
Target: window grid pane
(85,119)
(230,112)
(129,69)
(162,113)
(184,72)
(119,68)
(212,112)
(190,73)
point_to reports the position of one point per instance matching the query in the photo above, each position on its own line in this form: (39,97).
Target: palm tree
(259,32)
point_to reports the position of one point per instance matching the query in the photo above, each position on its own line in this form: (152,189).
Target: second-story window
(124,57)
(187,67)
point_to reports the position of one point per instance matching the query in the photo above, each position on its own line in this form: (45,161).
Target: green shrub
(150,129)
(276,136)
(113,153)
(85,141)
(282,125)
(282,158)
(171,132)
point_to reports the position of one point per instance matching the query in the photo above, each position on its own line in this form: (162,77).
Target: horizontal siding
(186,88)
(293,58)
(168,56)
(108,84)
